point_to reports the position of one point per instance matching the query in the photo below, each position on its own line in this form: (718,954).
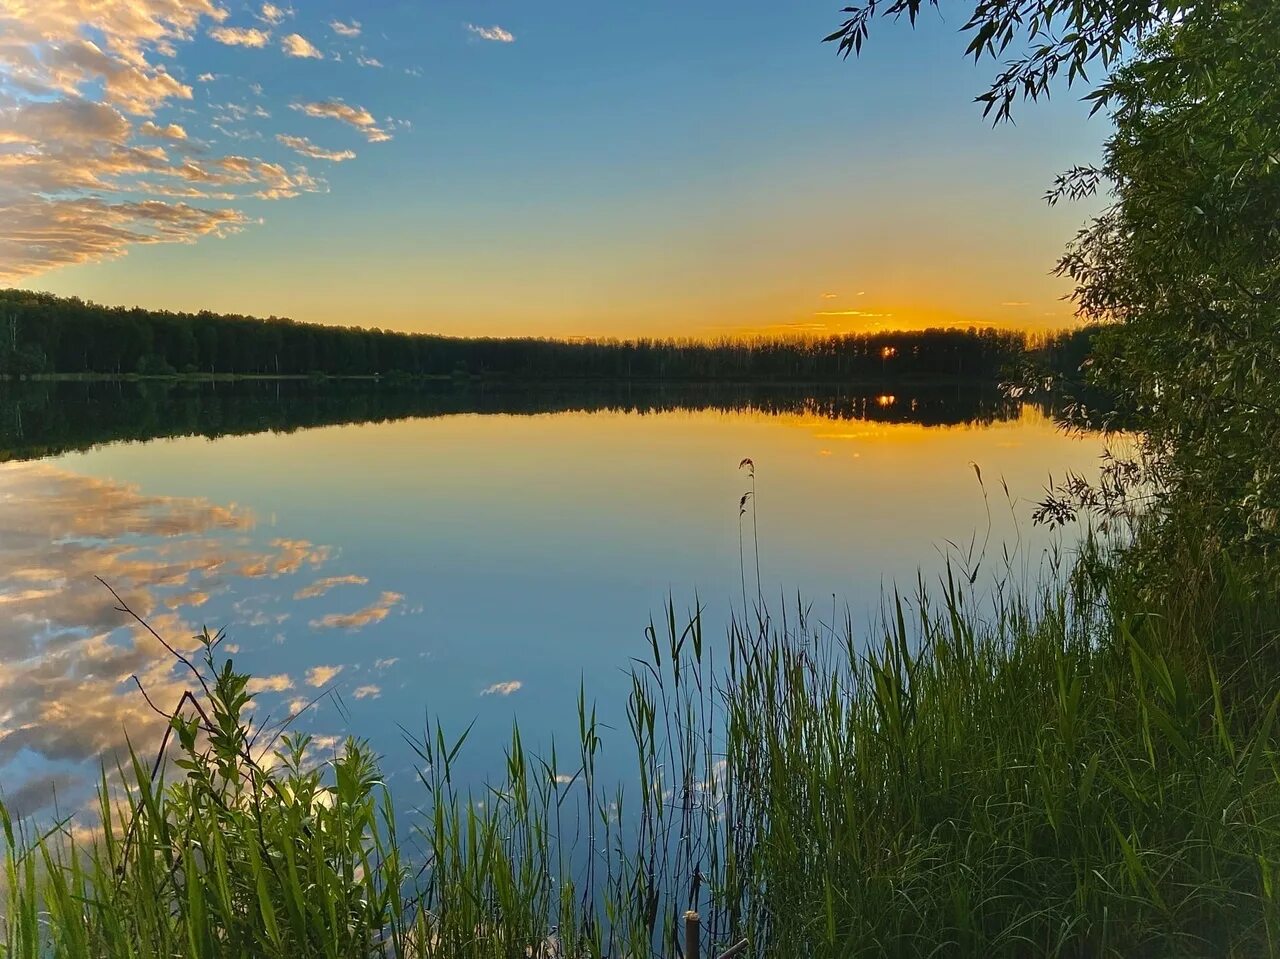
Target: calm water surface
(470,565)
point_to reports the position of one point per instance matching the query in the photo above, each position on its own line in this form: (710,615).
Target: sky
(502,168)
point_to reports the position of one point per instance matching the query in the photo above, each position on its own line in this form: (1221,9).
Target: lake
(468,552)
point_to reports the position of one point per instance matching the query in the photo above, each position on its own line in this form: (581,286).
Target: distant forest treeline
(42,333)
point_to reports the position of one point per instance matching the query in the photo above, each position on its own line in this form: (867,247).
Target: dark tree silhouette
(48,334)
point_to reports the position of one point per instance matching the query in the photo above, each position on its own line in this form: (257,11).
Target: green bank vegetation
(1087,766)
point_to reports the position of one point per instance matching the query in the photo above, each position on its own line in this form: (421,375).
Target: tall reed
(1087,768)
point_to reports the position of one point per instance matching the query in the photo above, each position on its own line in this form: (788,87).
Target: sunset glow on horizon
(497,173)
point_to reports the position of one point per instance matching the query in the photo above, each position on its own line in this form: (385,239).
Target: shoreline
(409,379)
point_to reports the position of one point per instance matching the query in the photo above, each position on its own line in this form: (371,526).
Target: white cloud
(494,33)
(296,45)
(367,692)
(229,112)
(368,61)
(502,689)
(273,14)
(351,29)
(241,36)
(357,117)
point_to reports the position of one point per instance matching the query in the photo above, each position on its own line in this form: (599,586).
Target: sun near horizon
(580,172)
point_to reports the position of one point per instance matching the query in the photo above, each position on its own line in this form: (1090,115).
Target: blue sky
(558,169)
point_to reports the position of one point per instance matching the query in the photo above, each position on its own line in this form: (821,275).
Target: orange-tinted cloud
(241,36)
(273,14)
(353,116)
(308,149)
(296,45)
(276,684)
(87,171)
(373,613)
(322,675)
(66,689)
(322,586)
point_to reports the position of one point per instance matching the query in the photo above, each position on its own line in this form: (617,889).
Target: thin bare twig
(123,607)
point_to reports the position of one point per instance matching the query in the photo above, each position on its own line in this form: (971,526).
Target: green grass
(1086,769)
(1088,775)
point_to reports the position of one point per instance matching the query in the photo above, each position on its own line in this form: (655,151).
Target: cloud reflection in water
(66,692)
